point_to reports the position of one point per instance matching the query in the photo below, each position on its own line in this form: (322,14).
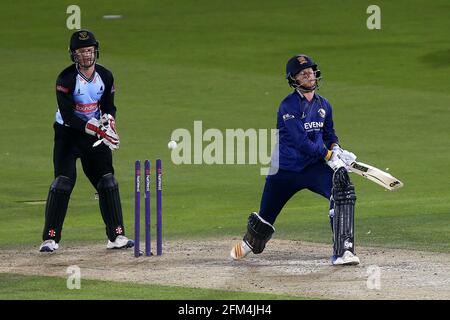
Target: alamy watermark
(74,278)
(74,20)
(374,20)
(233,146)
(373,277)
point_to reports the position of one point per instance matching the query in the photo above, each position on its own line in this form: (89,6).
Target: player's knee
(258,233)
(344,195)
(343,189)
(62,184)
(109,201)
(108,181)
(341,178)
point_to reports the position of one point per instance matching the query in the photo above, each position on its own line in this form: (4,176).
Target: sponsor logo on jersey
(313,126)
(88,107)
(288,116)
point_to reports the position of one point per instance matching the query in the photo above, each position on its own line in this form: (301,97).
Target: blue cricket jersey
(306,131)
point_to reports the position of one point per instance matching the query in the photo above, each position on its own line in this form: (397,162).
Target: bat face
(376,175)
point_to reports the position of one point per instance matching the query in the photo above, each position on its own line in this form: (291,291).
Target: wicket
(137,208)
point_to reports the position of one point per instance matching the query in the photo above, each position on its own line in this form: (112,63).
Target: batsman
(84,128)
(309,157)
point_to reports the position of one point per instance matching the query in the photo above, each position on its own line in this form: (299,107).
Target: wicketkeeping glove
(105,133)
(108,120)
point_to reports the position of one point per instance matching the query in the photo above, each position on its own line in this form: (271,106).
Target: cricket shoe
(240,250)
(119,243)
(347,259)
(48,246)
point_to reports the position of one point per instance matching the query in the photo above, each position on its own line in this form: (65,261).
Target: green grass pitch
(222,62)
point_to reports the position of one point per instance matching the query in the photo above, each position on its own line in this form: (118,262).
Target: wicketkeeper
(84,128)
(310,158)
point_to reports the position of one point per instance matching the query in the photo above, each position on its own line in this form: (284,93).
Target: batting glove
(336,163)
(345,155)
(348,157)
(337,149)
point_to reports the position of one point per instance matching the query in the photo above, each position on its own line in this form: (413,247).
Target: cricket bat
(376,175)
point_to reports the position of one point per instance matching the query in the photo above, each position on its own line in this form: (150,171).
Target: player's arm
(108,112)
(107,105)
(329,134)
(332,141)
(299,136)
(64,97)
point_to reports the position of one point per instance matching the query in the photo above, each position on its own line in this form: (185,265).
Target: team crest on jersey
(288,116)
(301,60)
(322,112)
(78,92)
